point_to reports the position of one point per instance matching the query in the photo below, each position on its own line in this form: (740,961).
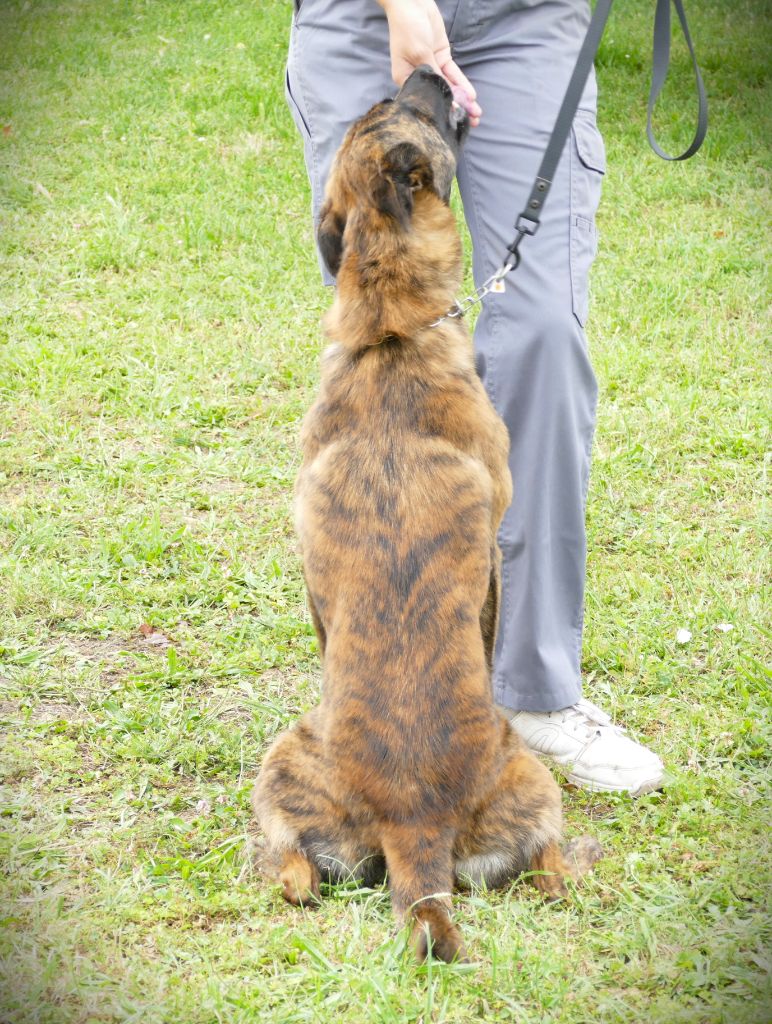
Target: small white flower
(723,627)
(683,636)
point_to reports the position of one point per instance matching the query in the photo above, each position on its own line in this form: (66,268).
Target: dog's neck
(401,282)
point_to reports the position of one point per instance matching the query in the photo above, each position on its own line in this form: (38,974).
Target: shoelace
(587,716)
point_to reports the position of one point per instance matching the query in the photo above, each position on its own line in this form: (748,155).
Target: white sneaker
(597,753)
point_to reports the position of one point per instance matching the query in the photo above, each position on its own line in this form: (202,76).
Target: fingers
(463,91)
(417,36)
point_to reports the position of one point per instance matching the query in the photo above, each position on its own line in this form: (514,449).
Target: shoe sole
(648,786)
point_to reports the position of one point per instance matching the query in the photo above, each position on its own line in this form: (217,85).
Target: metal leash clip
(495,284)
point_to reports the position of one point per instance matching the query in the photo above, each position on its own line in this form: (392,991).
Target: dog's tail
(419,859)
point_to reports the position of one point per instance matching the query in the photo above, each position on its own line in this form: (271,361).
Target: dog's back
(396,528)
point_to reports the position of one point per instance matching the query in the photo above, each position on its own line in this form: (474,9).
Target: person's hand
(417,36)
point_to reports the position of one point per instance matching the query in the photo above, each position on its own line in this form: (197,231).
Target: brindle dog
(406,764)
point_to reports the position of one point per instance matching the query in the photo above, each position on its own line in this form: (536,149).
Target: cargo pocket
(588,165)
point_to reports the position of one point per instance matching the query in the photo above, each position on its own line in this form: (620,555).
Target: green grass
(159,339)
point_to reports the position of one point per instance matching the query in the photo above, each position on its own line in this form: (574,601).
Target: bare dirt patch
(43,712)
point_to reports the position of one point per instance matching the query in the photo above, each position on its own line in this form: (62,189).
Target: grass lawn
(159,343)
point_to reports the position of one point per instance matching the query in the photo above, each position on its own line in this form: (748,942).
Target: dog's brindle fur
(406,763)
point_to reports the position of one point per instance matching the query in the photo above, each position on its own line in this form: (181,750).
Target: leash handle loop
(529,218)
(660,66)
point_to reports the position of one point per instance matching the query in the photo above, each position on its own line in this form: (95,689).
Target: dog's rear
(403,486)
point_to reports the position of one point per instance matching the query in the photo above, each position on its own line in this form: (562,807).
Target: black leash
(528,221)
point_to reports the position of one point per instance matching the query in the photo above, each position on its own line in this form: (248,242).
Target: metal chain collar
(495,284)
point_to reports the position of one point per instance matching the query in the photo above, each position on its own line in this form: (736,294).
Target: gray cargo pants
(531,350)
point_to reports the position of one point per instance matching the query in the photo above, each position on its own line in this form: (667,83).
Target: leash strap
(528,221)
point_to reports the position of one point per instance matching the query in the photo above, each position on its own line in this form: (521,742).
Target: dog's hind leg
(309,835)
(553,865)
(581,855)
(286,807)
(420,866)
(517,831)
(300,879)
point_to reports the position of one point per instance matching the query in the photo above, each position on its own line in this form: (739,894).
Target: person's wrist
(392,7)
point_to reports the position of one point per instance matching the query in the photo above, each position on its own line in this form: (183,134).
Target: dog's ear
(329,236)
(405,169)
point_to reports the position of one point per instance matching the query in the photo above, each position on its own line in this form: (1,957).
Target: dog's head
(401,153)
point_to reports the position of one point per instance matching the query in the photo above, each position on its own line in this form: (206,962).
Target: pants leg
(530,344)
(338,67)
(531,349)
